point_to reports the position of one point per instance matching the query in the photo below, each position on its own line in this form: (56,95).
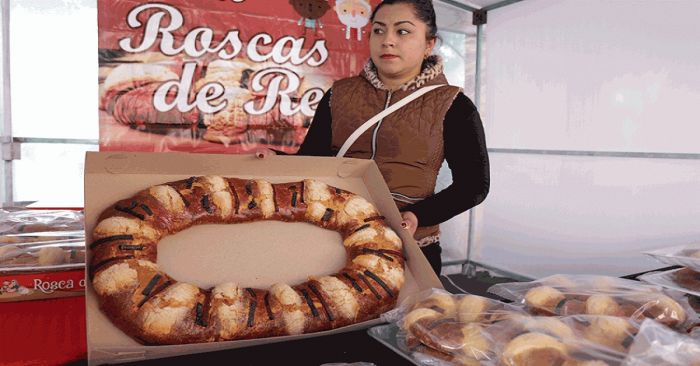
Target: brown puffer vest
(407,145)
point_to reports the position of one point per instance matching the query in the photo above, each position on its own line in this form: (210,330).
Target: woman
(410,144)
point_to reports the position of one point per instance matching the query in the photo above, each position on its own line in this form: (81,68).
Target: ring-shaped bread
(153,308)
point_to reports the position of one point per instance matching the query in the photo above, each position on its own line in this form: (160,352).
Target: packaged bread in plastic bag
(599,295)
(461,307)
(694,302)
(519,340)
(42,256)
(31,221)
(571,341)
(680,279)
(438,328)
(656,345)
(611,332)
(31,226)
(684,255)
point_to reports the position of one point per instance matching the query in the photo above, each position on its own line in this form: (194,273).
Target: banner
(41,284)
(222,76)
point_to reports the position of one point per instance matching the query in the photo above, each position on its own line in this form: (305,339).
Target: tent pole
(479,56)
(500,4)
(468,268)
(457,4)
(8,148)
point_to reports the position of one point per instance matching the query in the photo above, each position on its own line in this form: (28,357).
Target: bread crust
(153,308)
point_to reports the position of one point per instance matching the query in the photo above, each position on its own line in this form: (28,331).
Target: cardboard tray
(255,254)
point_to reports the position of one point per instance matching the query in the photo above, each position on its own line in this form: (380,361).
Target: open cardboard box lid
(256,254)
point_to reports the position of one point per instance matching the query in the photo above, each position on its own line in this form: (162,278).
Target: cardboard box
(255,254)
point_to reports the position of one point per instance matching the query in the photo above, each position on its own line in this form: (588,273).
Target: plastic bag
(35,226)
(62,254)
(599,295)
(657,345)
(576,340)
(30,221)
(694,302)
(437,328)
(462,307)
(521,340)
(609,332)
(681,279)
(686,255)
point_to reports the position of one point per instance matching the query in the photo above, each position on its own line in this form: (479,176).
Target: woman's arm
(318,139)
(466,155)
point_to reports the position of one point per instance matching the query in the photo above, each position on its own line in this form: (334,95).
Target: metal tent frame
(11,145)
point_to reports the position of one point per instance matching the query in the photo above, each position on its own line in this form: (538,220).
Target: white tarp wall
(593,76)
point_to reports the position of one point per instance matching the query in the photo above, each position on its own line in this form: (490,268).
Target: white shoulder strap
(372,121)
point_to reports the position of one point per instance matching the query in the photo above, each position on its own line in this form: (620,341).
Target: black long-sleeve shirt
(465,152)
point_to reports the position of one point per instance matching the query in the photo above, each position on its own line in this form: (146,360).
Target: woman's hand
(410,222)
(263,152)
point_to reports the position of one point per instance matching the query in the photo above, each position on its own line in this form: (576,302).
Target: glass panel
(51,174)
(3,169)
(54,68)
(453,51)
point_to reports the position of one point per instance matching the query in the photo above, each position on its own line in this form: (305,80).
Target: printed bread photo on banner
(221,76)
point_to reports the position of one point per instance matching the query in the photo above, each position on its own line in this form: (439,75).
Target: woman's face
(398,42)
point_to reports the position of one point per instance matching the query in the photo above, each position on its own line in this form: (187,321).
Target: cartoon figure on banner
(13,286)
(354,14)
(311,12)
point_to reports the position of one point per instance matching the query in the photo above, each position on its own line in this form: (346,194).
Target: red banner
(222,76)
(41,285)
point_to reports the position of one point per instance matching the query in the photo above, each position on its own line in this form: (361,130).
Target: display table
(347,347)
(52,332)
(42,332)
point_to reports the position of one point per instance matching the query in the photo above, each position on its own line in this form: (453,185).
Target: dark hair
(423,9)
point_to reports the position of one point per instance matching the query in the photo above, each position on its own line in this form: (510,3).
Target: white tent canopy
(592,136)
(587,106)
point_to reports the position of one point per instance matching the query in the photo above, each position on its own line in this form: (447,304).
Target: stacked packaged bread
(42,254)
(451,328)
(679,279)
(657,345)
(153,308)
(444,329)
(684,255)
(685,279)
(600,295)
(39,239)
(570,341)
(30,225)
